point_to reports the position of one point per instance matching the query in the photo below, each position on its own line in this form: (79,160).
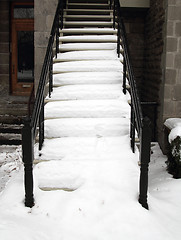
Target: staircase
(87,115)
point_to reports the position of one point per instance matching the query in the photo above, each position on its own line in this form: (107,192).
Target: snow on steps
(97,31)
(87,78)
(88,66)
(87,109)
(86,127)
(89,38)
(82,148)
(87,55)
(81,92)
(86,46)
(87,24)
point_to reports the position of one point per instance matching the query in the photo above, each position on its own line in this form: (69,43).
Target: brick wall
(153,51)
(153,54)
(134,24)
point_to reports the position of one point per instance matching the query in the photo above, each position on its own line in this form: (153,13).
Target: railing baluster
(51,74)
(124,75)
(28,156)
(41,127)
(132,129)
(114,15)
(118,40)
(145,141)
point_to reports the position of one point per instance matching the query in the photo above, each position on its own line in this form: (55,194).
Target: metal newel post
(145,147)
(28,156)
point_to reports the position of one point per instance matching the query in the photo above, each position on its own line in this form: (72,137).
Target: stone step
(10,134)
(87,78)
(88,66)
(86,127)
(87,17)
(87,109)
(84,92)
(88,11)
(82,148)
(83,31)
(87,46)
(87,55)
(88,39)
(89,1)
(71,24)
(88,6)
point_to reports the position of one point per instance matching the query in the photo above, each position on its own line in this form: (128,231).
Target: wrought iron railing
(139,123)
(34,124)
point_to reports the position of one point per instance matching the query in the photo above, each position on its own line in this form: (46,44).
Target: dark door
(22,49)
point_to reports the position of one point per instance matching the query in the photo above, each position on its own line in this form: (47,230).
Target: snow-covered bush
(174,138)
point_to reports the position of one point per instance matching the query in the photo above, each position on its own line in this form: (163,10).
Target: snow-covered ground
(96,208)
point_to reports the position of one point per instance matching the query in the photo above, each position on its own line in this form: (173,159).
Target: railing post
(124,75)
(145,145)
(41,127)
(28,156)
(132,129)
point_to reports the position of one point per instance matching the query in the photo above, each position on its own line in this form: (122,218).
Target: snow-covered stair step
(88,66)
(87,109)
(86,46)
(89,11)
(87,38)
(87,23)
(81,92)
(87,17)
(97,31)
(87,55)
(87,78)
(88,6)
(83,148)
(86,127)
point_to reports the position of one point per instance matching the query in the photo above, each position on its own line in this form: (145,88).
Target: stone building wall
(44,12)
(170,105)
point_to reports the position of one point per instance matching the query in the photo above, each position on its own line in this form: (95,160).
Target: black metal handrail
(139,123)
(36,121)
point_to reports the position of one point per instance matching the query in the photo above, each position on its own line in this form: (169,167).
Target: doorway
(22,48)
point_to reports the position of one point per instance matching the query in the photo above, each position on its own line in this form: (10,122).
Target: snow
(95,207)
(174,124)
(97,91)
(87,78)
(87,108)
(88,66)
(87,46)
(87,55)
(86,177)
